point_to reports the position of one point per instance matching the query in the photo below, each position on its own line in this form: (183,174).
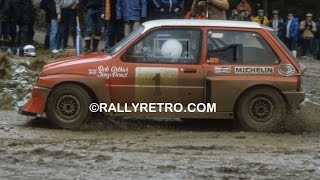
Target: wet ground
(157,148)
(164,148)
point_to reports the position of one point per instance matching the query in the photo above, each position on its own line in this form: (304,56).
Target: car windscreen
(282,44)
(125,40)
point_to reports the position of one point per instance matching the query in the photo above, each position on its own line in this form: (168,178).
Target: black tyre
(261,109)
(68,106)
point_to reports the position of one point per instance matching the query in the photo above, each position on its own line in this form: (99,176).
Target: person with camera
(261,18)
(308,28)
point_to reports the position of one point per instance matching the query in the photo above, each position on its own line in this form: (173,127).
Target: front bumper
(22,112)
(37,104)
(294,98)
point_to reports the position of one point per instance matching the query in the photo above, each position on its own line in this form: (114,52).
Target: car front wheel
(261,109)
(68,106)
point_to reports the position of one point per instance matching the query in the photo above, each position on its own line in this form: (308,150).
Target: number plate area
(156,84)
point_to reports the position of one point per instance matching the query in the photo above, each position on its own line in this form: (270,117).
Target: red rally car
(241,66)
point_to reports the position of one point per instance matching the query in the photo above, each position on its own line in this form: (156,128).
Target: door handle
(189,70)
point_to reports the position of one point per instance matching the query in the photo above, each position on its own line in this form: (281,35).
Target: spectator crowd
(117,18)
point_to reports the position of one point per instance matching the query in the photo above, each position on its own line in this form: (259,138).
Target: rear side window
(239,47)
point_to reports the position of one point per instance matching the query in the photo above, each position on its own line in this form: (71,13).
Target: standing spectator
(113,27)
(31,32)
(317,41)
(292,33)
(152,14)
(243,5)
(169,9)
(199,13)
(242,16)
(51,17)
(216,9)
(277,24)
(234,15)
(308,28)
(261,18)
(4,22)
(94,10)
(21,14)
(131,12)
(238,16)
(66,16)
(43,6)
(248,16)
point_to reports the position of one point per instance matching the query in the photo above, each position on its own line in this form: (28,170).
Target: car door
(163,66)
(237,59)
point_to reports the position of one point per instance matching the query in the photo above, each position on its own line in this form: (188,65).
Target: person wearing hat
(308,28)
(261,18)
(277,24)
(291,33)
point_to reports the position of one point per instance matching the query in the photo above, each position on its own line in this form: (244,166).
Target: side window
(166,46)
(227,47)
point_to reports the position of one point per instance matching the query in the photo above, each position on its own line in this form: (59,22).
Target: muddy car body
(241,66)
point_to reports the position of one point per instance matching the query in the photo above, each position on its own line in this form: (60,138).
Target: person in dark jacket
(94,10)
(21,14)
(277,24)
(67,13)
(4,22)
(131,12)
(168,9)
(51,18)
(43,6)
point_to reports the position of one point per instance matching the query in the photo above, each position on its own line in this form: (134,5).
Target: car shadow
(101,122)
(39,123)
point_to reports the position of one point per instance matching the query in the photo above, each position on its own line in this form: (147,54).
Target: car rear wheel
(261,109)
(68,106)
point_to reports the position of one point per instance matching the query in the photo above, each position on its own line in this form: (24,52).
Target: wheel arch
(82,85)
(258,86)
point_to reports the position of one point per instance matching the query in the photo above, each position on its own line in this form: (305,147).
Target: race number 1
(155,84)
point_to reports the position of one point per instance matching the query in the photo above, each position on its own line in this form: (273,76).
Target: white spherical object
(171,48)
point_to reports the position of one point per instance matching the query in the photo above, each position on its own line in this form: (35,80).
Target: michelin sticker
(109,72)
(286,70)
(254,70)
(222,70)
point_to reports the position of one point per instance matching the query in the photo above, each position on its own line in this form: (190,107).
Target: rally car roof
(200,23)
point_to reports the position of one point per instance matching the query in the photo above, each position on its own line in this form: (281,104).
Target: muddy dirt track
(163,148)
